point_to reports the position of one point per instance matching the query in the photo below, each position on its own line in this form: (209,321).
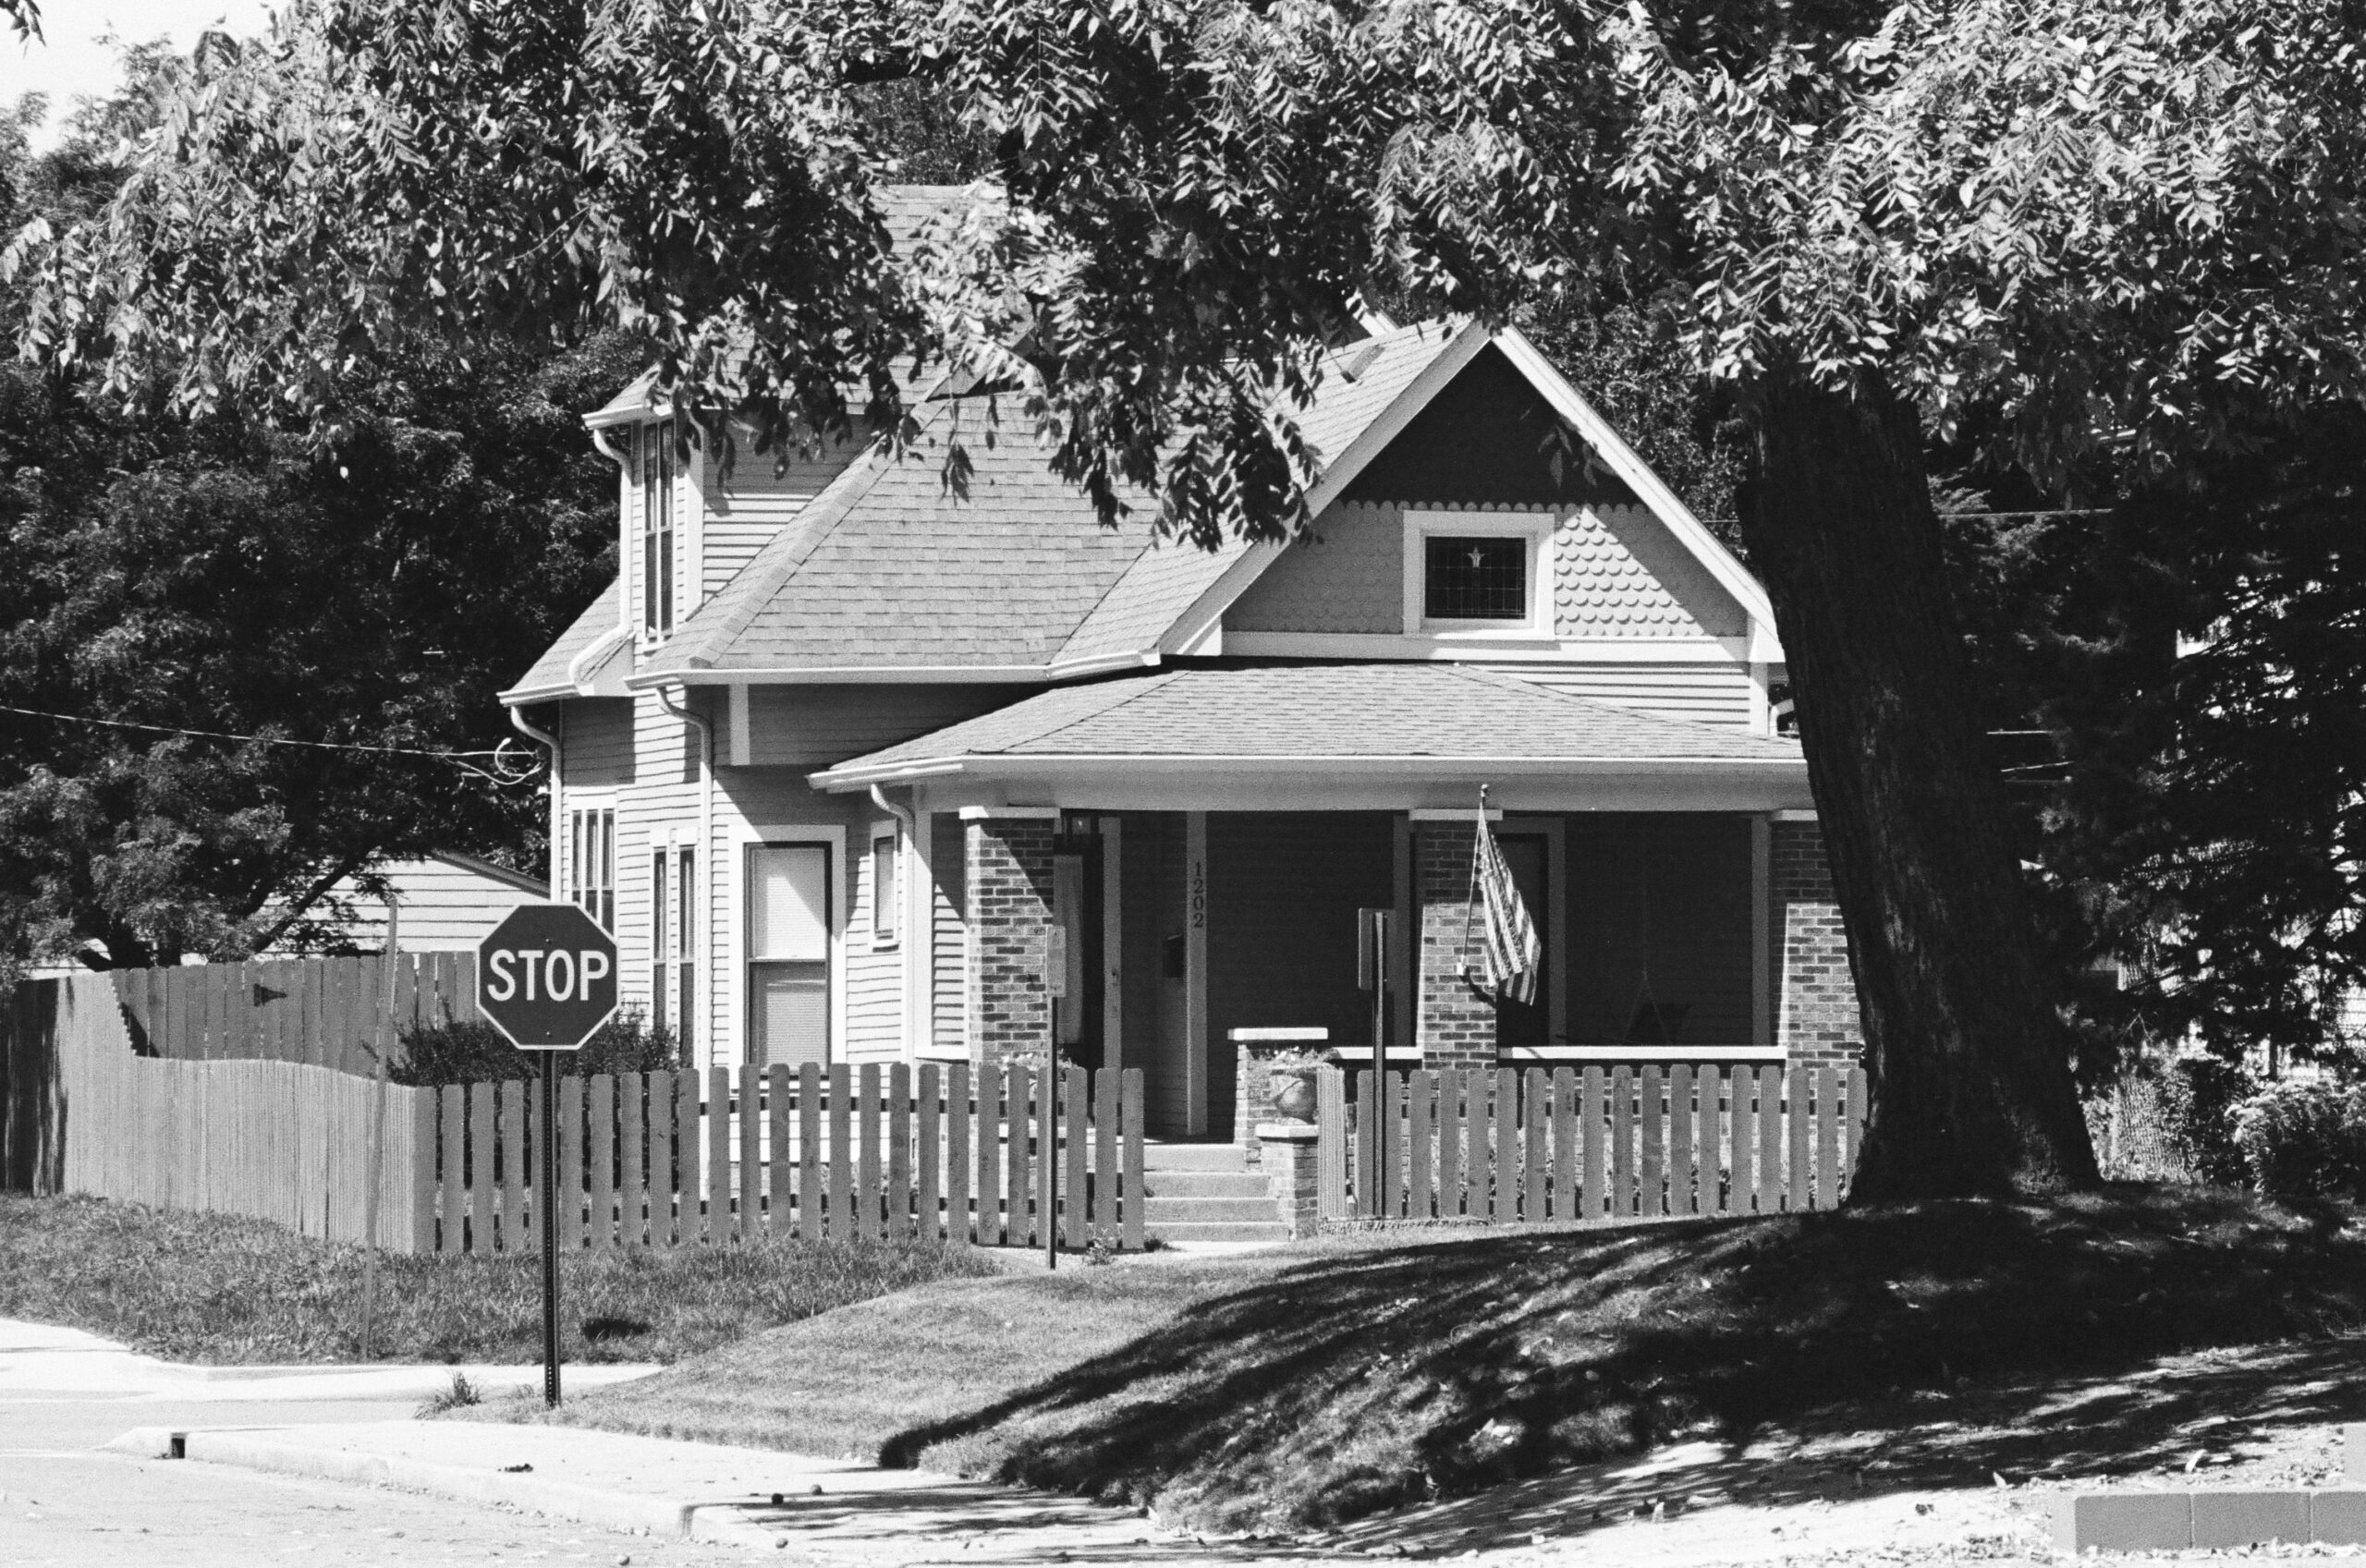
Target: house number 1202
(1199,895)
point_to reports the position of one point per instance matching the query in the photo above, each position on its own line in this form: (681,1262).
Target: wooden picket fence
(1591,1147)
(328,1012)
(945,1152)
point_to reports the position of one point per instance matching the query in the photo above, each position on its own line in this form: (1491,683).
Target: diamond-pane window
(1476,580)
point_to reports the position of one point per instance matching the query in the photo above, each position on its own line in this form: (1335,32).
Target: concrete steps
(1199,1193)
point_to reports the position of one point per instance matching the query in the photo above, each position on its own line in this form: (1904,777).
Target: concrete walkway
(44,1361)
(829,1511)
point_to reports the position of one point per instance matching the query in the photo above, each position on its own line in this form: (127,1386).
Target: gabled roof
(892,570)
(1418,717)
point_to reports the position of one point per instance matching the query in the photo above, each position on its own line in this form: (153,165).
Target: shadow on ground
(1797,1359)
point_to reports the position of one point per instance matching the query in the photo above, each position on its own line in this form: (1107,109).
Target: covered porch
(1166,871)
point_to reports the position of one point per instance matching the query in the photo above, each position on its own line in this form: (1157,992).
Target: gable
(1490,437)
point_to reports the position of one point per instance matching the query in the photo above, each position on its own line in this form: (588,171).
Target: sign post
(546,978)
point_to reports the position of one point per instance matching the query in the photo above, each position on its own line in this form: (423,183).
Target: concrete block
(2249,1518)
(2124,1520)
(2338,1515)
(2353,1453)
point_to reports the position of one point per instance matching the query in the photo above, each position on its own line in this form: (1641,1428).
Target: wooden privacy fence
(674,1159)
(274,1140)
(329,1012)
(1591,1147)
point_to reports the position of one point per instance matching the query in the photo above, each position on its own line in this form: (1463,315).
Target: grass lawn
(1304,1388)
(213,1288)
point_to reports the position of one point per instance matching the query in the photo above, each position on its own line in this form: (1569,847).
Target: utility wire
(463,758)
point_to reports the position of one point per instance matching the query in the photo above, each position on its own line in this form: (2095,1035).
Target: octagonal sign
(546,977)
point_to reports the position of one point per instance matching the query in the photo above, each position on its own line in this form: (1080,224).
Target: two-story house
(861,767)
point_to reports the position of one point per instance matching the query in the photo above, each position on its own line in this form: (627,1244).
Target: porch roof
(1407,717)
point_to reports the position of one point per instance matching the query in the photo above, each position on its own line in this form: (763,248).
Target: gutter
(841,781)
(532,731)
(704,956)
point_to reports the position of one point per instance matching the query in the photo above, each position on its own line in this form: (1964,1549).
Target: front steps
(1198,1193)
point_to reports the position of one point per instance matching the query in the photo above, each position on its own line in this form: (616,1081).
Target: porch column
(1456,1025)
(1007,854)
(1818,1023)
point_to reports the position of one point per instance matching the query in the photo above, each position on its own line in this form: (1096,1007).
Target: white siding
(445,908)
(1346,575)
(757,503)
(1707,692)
(813,727)
(874,973)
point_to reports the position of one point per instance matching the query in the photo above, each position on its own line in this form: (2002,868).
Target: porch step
(1193,1157)
(1158,1211)
(1196,1231)
(1157,1184)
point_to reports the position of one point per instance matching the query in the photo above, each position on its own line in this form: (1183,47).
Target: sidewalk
(43,1361)
(826,1512)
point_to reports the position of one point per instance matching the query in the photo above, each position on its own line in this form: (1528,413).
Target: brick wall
(1455,1026)
(1816,1020)
(1007,872)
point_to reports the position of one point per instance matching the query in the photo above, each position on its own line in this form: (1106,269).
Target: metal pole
(1380,1096)
(371,1194)
(550,1228)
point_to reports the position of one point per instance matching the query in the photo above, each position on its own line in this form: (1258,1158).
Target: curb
(2181,1520)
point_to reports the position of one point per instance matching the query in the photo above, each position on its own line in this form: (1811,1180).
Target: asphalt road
(61,1501)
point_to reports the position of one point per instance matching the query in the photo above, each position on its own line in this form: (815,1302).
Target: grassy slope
(1322,1386)
(209,1287)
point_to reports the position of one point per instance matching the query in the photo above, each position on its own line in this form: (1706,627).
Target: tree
(2115,233)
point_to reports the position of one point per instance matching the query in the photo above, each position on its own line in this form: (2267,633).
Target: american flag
(1513,955)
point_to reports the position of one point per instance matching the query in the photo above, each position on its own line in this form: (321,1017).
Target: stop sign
(546,977)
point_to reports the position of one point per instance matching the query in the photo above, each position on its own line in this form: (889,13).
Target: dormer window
(1478,573)
(658,500)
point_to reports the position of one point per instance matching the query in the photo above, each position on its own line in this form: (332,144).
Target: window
(788,954)
(661,946)
(591,863)
(1475,579)
(886,890)
(685,945)
(657,506)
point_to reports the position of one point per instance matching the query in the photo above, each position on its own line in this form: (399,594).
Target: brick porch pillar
(1816,1021)
(1455,1027)
(1008,861)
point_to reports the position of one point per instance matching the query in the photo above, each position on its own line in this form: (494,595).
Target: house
(859,768)
(448,902)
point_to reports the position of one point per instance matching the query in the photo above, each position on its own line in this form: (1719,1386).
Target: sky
(72,62)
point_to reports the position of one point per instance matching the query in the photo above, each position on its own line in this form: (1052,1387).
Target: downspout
(527,727)
(909,820)
(705,957)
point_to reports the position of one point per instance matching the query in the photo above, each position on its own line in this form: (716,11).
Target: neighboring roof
(448,902)
(1011,577)
(1428,716)
(550,676)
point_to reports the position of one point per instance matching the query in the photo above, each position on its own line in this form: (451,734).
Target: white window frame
(892,899)
(731,1027)
(661,602)
(566,873)
(1535,528)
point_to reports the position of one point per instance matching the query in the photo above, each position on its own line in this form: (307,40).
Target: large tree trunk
(1966,1048)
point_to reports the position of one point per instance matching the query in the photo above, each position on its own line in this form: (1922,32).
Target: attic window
(658,498)
(1475,579)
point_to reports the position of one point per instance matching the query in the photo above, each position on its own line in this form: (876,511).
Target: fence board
(1078,1209)
(899,1149)
(751,1151)
(990,1229)
(1856,1122)
(1795,1110)
(572,1167)
(1329,1146)
(1366,1178)
(632,1161)
(780,1173)
(600,1093)
(718,1156)
(1827,1138)
(1105,1154)
(1503,1130)
(866,1193)
(1770,1139)
(808,1151)
(452,1200)
(1455,1155)
(927,1138)
(689,1221)
(1619,1128)
(959,1121)
(484,1192)
(1019,1084)
(1681,1181)
(1535,1155)
(1131,1116)
(1420,1137)
(1710,1085)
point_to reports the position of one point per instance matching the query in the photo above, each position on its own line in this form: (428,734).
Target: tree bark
(1965,1045)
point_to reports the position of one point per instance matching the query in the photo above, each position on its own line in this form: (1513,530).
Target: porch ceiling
(1417,718)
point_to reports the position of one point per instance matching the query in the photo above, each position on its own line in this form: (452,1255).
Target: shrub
(2201,1096)
(476,1052)
(2302,1140)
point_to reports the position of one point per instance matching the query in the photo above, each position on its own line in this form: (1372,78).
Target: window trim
(603,908)
(889,937)
(726,1042)
(1536,527)
(661,531)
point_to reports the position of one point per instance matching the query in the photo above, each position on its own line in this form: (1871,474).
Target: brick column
(1009,867)
(1455,1026)
(1816,1020)
(1289,1164)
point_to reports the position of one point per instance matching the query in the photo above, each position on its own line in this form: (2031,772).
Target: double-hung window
(673,936)
(686,930)
(591,863)
(886,891)
(788,954)
(658,503)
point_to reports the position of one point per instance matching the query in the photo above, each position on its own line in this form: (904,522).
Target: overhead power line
(467,759)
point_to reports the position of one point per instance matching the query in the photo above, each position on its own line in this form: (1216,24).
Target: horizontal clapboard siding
(949,905)
(1707,693)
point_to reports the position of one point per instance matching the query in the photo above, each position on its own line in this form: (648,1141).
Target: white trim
(1009,813)
(743,743)
(1069,669)
(887,828)
(1796,815)
(592,662)
(1545,1053)
(846,674)
(1275,1035)
(1030,764)
(1424,647)
(1762,710)
(1621,460)
(1398,1050)
(732,967)
(1454,814)
(1538,526)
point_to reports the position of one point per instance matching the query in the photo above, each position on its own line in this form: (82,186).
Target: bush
(2303,1140)
(476,1052)
(2200,1097)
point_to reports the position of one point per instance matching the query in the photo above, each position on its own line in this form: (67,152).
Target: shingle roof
(1427,711)
(549,673)
(891,566)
